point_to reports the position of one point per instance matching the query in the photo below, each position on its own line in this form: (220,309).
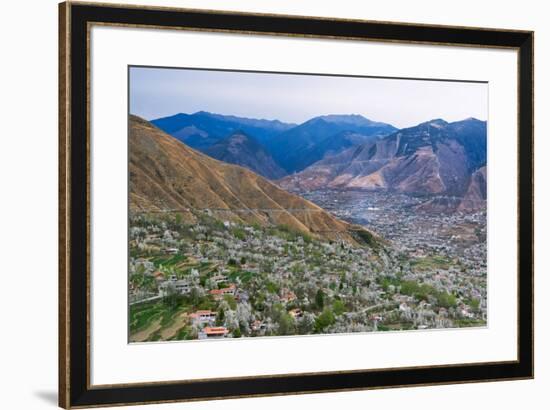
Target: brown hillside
(432,158)
(165,174)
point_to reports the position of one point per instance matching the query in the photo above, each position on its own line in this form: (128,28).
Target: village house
(258,326)
(159,276)
(203,316)
(287,296)
(217,279)
(218,294)
(180,286)
(213,333)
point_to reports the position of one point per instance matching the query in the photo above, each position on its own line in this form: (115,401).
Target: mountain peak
(471,119)
(436,122)
(351,119)
(312,140)
(204,113)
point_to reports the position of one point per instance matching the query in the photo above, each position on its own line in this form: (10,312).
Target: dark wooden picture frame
(75,389)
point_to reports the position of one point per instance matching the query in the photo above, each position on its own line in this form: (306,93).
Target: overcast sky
(160,92)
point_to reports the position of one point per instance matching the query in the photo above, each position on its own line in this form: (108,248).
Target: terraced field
(156,321)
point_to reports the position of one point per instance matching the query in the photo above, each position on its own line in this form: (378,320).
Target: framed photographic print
(257,204)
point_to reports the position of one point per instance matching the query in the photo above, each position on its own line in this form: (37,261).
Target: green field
(431,262)
(158,321)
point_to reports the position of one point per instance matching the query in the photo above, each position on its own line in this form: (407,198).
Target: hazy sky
(160,92)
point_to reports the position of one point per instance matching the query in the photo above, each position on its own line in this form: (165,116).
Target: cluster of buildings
(264,281)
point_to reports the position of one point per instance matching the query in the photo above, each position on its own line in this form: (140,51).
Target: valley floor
(214,279)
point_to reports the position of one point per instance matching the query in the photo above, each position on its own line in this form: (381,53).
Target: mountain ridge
(292,146)
(434,158)
(165,174)
(297,148)
(242,149)
(202,128)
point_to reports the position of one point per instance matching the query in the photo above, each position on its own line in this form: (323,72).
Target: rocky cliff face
(434,158)
(476,195)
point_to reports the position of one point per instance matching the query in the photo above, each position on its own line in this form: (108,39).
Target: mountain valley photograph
(285,204)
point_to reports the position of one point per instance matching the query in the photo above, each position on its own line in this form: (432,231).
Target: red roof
(215,330)
(204,312)
(223,291)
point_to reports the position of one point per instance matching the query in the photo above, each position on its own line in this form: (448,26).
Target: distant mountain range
(203,129)
(291,147)
(165,174)
(243,150)
(301,146)
(444,160)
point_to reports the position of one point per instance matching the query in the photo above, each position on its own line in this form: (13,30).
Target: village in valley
(210,278)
